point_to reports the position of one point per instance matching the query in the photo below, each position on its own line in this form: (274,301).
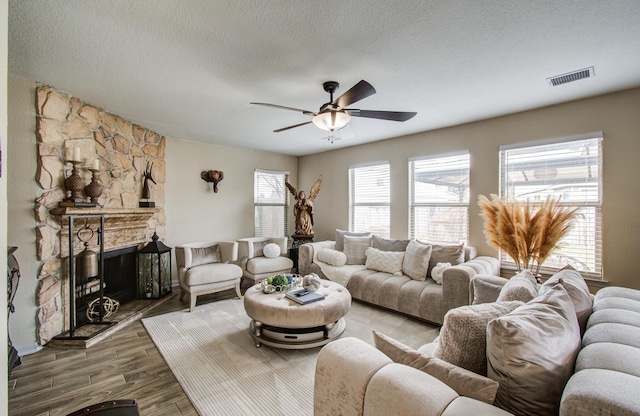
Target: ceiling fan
(334,115)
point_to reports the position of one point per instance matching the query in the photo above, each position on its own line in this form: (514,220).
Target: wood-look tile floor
(57,381)
(127,365)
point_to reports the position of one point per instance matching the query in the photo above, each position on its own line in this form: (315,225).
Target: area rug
(215,360)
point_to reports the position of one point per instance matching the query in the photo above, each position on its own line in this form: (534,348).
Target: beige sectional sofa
(602,374)
(424,299)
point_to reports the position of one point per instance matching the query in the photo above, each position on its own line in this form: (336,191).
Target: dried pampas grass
(527,233)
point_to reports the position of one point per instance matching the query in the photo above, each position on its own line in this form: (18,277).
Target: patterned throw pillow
(463,336)
(205,255)
(464,382)
(416,260)
(355,248)
(258,247)
(384,261)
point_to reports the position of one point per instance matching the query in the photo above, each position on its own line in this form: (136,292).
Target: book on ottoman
(304,296)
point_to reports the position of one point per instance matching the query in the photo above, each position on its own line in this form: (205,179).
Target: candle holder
(95,188)
(74,183)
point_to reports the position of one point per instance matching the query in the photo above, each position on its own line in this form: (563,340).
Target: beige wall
(4,17)
(194,211)
(617,115)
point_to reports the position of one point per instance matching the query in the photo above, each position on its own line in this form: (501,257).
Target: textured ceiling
(189,68)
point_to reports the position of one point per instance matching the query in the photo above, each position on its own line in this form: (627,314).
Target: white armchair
(259,261)
(205,268)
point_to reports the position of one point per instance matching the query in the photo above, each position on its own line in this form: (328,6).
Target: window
(271,203)
(569,168)
(439,198)
(369,198)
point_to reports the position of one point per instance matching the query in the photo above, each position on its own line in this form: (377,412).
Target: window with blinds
(439,198)
(571,169)
(271,203)
(370,198)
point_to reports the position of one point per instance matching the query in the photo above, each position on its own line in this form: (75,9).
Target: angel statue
(303,209)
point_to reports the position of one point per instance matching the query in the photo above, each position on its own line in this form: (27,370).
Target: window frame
(594,205)
(442,158)
(261,231)
(354,205)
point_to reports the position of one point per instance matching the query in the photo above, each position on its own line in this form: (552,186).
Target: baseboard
(27,349)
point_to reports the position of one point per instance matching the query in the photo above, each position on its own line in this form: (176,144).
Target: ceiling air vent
(571,76)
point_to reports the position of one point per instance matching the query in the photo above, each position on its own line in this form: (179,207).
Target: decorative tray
(295,281)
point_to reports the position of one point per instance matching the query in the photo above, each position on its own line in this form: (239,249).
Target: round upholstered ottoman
(280,322)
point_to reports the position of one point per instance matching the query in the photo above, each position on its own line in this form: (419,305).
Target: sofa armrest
(485,288)
(343,370)
(308,252)
(456,280)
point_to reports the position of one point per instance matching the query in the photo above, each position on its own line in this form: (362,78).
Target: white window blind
(271,203)
(572,170)
(369,198)
(439,198)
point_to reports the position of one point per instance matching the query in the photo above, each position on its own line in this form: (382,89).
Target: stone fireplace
(123,151)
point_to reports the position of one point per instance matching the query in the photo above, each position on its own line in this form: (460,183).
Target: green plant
(278,280)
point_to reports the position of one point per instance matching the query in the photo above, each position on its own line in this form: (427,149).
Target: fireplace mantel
(124,227)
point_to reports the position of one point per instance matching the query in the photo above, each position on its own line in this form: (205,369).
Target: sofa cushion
(258,247)
(464,382)
(386,244)
(332,257)
(522,287)
(271,250)
(463,336)
(578,291)
(416,260)
(340,237)
(384,261)
(531,352)
(262,265)
(205,255)
(453,254)
(355,248)
(212,273)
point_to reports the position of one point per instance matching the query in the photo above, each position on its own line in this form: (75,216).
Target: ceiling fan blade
(358,92)
(291,127)
(383,115)
(311,113)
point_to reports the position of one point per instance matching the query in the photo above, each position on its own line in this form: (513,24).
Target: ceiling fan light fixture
(332,120)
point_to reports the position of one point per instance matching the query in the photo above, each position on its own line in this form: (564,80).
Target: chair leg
(192,298)
(238,290)
(182,292)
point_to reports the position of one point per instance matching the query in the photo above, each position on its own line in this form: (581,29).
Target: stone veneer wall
(123,150)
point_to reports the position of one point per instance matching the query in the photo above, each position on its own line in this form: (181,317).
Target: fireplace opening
(120,275)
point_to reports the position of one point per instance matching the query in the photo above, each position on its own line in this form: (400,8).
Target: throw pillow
(522,287)
(384,261)
(386,244)
(416,260)
(258,247)
(340,237)
(464,382)
(332,257)
(438,271)
(446,254)
(205,255)
(531,352)
(271,250)
(578,291)
(463,336)
(355,248)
